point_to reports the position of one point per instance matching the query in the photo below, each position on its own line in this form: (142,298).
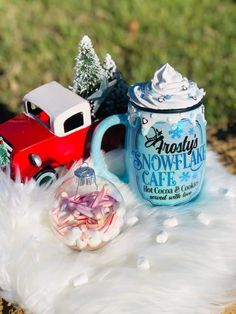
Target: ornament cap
(85,175)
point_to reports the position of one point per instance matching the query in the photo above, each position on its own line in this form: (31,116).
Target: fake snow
(86,42)
(192,273)
(80,280)
(109,66)
(150,119)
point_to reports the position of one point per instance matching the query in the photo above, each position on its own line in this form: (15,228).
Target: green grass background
(38,43)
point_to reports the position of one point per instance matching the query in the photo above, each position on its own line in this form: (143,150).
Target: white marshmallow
(105,237)
(81,244)
(70,238)
(204,219)
(131,221)
(230,193)
(171,222)
(76,232)
(94,239)
(162,237)
(143,263)
(83,228)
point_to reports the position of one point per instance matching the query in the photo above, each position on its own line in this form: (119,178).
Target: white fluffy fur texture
(194,272)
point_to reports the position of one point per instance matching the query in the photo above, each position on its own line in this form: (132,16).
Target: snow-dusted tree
(110,67)
(117,100)
(3,154)
(88,70)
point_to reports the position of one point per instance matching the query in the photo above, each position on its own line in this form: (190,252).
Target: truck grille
(8,147)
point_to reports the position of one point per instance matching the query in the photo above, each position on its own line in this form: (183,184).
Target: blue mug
(165,152)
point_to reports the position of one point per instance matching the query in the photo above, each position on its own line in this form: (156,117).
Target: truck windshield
(74,122)
(38,113)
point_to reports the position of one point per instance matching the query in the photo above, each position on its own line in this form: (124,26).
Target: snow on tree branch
(110,67)
(88,70)
(102,85)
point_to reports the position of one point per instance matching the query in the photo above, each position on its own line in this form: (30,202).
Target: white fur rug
(193,272)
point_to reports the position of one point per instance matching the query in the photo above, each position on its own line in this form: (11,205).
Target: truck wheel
(46,177)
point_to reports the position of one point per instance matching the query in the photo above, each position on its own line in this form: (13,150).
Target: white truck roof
(55,99)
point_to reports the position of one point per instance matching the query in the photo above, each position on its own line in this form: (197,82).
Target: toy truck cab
(58,109)
(50,133)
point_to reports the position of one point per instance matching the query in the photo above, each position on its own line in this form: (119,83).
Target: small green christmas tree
(88,70)
(103,85)
(3,154)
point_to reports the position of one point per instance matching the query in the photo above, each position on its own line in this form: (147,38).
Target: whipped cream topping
(167,90)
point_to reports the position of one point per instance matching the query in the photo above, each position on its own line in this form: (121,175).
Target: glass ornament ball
(89,212)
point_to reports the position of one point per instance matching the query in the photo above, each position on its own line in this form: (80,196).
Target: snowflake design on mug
(185,176)
(177,132)
(191,131)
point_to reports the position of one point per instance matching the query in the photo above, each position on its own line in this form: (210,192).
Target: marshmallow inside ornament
(87,217)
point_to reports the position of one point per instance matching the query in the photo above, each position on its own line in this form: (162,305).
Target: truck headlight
(35,160)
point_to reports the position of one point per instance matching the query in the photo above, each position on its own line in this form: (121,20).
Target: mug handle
(96,152)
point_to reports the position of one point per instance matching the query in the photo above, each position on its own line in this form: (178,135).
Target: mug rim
(171,111)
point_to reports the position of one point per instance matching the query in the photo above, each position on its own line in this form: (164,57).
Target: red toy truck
(53,131)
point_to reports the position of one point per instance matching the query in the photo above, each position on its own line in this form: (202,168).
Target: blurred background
(39,39)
